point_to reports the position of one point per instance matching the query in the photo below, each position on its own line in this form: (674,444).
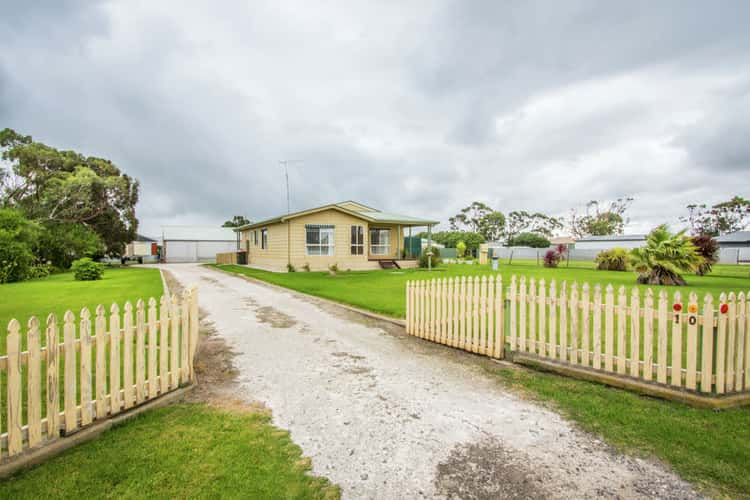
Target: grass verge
(182,451)
(60,292)
(709,448)
(384,291)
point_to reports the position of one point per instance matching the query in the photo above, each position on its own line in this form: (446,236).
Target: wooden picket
(699,347)
(91,388)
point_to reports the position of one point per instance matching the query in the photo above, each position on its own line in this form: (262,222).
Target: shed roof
(614,237)
(736,237)
(197,233)
(367,213)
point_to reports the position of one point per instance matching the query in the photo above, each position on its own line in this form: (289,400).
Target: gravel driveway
(385,415)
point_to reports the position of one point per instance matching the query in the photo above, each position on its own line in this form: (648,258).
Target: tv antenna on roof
(286,163)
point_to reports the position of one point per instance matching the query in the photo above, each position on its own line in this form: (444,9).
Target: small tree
(552,258)
(708,248)
(460,249)
(665,257)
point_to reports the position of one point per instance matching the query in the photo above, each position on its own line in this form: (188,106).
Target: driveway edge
(363,312)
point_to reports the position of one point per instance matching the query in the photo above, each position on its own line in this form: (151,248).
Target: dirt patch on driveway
(487,470)
(274,317)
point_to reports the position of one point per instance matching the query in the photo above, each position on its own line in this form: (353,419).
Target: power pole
(286,163)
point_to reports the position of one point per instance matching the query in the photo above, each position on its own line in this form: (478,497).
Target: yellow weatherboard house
(348,234)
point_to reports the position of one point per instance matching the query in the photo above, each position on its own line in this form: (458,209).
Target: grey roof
(197,233)
(615,237)
(737,237)
(140,237)
(371,215)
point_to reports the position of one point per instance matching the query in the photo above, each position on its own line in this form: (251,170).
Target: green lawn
(383,291)
(709,448)
(182,451)
(60,292)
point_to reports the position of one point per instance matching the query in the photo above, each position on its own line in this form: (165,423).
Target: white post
(429,247)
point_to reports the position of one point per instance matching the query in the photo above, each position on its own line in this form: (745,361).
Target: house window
(380,241)
(264,239)
(358,240)
(319,239)
(255,237)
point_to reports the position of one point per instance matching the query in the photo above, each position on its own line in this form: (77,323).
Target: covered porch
(386,241)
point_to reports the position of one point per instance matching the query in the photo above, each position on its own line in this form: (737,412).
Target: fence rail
(698,347)
(107,367)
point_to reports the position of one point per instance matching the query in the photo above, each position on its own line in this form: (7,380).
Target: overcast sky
(412,107)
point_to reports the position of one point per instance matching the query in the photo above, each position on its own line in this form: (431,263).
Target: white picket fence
(106,368)
(703,348)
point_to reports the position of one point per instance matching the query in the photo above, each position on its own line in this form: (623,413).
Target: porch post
(398,241)
(429,246)
(410,243)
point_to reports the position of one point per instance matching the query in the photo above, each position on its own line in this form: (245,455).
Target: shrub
(552,258)
(41,270)
(432,251)
(708,248)
(333,269)
(614,259)
(290,268)
(532,240)
(306,267)
(460,249)
(86,269)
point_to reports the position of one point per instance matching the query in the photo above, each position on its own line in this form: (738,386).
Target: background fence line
(725,255)
(105,368)
(702,348)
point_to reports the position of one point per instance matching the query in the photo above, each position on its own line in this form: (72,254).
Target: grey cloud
(719,141)
(412,108)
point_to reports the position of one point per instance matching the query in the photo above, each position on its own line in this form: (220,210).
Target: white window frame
(380,248)
(264,238)
(320,249)
(357,243)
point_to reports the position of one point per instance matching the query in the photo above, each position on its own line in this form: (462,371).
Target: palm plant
(664,257)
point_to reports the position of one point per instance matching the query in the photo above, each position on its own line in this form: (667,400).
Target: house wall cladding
(277,255)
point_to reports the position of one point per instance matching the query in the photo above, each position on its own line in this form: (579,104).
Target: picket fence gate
(106,368)
(702,348)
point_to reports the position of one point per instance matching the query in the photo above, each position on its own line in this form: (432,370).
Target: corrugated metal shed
(198,233)
(737,237)
(614,237)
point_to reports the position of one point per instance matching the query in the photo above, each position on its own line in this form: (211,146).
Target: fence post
(14,423)
(194,329)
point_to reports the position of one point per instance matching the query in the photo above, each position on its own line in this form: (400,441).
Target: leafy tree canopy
(520,221)
(57,188)
(533,240)
(237,221)
(600,219)
(479,218)
(722,218)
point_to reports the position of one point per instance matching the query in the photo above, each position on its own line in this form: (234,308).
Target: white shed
(612,241)
(196,243)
